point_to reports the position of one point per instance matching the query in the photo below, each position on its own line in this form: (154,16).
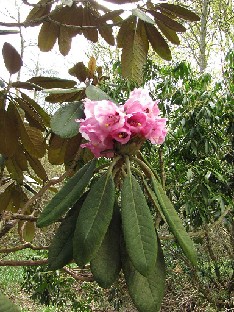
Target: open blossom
(106,123)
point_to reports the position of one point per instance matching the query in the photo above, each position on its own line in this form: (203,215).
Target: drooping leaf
(107,35)
(88,20)
(138,227)
(5,198)
(6,305)
(32,140)
(175,223)
(12,59)
(48,35)
(127,25)
(14,170)
(37,167)
(42,9)
(61,248)
(56,149)
(180,11)
(20,158)
(63,123)
(106,263)
(170,34)
(52,82)
(157,42)
(64,40)
(94,219)
(72,148)
(8,134)
(25,85)
(67,196)
(96,94)
(146,291)
(143,16)
(134,53)
(167,21)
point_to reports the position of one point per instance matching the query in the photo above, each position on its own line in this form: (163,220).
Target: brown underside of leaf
(127,25)
(167,21)
(157,42)
(48,35)
(170,34)
(134,53)
(38,12)
(80,71)
(66,97)
(37,167)
(56,149)
(181,12)
(12,59)
(107,35)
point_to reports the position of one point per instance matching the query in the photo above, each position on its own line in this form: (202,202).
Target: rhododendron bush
(107,206)
(107,123)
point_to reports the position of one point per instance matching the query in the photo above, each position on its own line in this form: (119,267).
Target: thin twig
(21,247)
(83,278)
(23,262)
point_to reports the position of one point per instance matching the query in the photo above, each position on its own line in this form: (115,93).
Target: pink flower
(157,131)
(105,124)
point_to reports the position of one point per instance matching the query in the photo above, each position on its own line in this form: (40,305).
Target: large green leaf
(67,196)
(134,53)
(175,223)
(138,227)
(61,248)
(94,220)
(96,94)
(6,305)
(146,291)
(106,263)
(63,123)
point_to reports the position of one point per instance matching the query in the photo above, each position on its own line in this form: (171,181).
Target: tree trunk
(203,36)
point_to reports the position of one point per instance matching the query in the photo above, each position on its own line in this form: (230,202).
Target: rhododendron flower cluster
(106,123)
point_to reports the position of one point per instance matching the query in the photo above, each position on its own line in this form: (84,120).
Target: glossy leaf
(134,53)
(106,263)
(12,59)
(94,219)
(138,227)
(157,42)
(67,196)
(61,248)
(180,11)
(63,123)
(175,223)
(146,291)
(6,305)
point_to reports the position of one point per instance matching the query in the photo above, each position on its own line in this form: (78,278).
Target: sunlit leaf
(144,17)
(170,34)
(48,35)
